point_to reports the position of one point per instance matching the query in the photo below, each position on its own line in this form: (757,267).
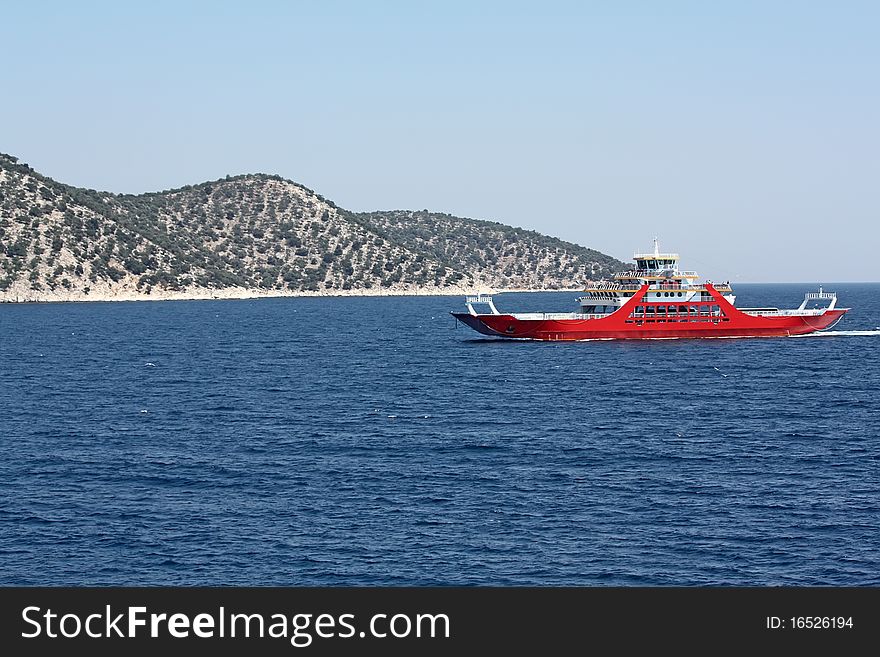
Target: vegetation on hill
(509,257)
(259,233)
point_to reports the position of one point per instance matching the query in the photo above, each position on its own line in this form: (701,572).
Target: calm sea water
(367,441)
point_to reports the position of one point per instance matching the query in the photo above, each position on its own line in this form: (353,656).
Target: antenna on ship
(656,248)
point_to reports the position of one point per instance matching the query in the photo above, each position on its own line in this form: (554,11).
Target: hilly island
(256,235)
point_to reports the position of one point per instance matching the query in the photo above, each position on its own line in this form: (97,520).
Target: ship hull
(508,326)
(625,325)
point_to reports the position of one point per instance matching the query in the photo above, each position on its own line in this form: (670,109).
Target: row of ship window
(664,319)
(611,295)
(704,310)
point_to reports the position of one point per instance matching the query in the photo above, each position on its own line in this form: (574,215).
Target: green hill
(256,234)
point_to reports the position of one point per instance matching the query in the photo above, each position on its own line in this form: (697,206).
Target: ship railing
(610,285)
(674,285)
(551,316)
(606,285)
(641,273)
(480,298)
(784,313)
(819,296)
(602,287)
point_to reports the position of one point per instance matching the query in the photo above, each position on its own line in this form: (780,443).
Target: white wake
(820,334)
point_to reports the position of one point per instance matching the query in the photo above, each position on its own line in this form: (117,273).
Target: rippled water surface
(368,441)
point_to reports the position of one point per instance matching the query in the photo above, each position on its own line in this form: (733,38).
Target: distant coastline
(242,293)
(108,293)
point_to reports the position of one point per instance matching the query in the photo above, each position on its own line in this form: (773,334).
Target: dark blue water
(367,441)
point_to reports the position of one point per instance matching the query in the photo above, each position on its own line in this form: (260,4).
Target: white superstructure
(660,271)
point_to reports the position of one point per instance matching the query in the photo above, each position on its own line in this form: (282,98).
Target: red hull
(624,324)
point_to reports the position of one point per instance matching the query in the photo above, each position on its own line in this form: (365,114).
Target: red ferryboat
(656,300)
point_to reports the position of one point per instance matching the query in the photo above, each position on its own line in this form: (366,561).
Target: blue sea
(368,441)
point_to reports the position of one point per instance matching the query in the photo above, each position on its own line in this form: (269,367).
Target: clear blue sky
(746,135)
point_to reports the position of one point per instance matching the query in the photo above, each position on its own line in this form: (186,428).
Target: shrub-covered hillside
(255,234)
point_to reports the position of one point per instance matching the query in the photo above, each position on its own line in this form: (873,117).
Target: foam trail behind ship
(820,334)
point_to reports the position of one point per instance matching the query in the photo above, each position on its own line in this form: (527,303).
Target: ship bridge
(656,266)
(656,261)
(653,263)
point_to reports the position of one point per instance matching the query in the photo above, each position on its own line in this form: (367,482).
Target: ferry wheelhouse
(656,299)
